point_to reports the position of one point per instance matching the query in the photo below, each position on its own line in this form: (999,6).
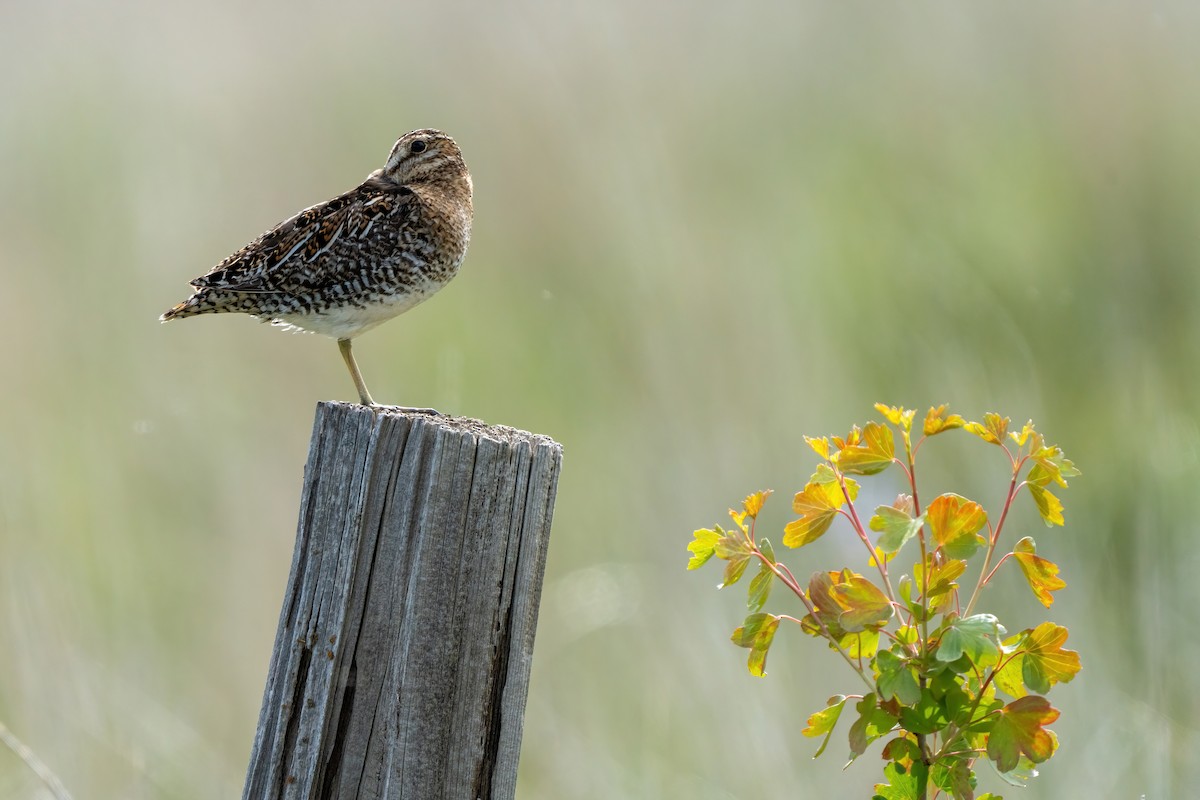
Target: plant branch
(984,573)
(881,564)
(22,751)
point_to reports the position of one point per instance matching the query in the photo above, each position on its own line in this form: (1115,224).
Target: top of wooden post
(476,427)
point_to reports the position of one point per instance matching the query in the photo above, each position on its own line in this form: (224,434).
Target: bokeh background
(702,230)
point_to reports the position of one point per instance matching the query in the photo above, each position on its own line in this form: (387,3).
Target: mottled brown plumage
(344,266)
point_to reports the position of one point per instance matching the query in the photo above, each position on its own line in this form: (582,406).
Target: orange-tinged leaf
(1046,662)
(864,605)
(754,502)
(1020,730)
(1049,506)
(955,522)
(1041,573)
(874,455)
(936,420)
(992,430)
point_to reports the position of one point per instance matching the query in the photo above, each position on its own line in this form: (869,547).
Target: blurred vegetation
(701,230)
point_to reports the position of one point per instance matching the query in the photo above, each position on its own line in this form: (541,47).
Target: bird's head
(423,156)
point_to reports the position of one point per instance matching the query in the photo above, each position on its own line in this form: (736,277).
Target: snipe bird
(346,265)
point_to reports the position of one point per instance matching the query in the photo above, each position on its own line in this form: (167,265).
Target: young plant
(935,672)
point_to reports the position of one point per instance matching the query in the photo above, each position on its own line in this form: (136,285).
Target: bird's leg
(363,395)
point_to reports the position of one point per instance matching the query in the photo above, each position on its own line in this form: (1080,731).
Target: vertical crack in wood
(401,664)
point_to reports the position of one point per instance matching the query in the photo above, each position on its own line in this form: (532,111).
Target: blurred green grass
(702,231)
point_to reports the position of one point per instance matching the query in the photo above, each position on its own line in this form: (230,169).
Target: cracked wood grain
(401,663)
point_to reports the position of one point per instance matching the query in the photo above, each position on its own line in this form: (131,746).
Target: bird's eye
(417,147)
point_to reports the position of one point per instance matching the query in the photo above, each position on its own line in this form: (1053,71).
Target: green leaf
(896,524)
(936,420)
(1045,661)
(1020,730)
(734,570)
(954,522)
(823,722)
(927,716)
(896,679)
(863,604)
(757,633)
(1041,573)
(760,588)
(872,723)
(954,775)
(992,430)
(702,547)
(977,636)
(817,505)
(873,456)
(764,547)
(902,748)
(904,783)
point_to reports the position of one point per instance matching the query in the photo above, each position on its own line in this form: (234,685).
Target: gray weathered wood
(401,664)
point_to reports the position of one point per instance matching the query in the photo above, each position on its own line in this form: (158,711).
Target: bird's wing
(293,256)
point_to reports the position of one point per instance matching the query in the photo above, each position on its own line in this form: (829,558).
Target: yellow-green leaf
(819,446)
(943,576)
(1041,573)
(760,588)
(896,524)
(1046,662)
(897,415)
(874,455)
(817,505)
(734,570)
(822,722)
(702,547)
(936,420)
(1049,506)
(757,633)
(992,430)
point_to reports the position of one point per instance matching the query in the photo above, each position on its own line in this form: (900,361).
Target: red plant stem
(984,573)
(789,580)
(880,563)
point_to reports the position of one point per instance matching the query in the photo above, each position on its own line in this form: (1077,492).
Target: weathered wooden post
(401,664)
